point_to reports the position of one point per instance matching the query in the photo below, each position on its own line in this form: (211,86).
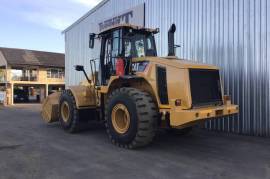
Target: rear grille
(162,85)
(205,87)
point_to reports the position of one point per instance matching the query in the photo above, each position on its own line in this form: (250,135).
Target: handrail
(93,70)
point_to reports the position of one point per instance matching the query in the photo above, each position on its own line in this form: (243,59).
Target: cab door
(111,49)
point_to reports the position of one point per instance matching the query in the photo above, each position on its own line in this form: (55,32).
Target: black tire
(73,124)
(185,131)
(143,117)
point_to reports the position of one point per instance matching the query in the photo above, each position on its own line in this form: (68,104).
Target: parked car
(20,96)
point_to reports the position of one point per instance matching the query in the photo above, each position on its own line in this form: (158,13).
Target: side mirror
(92,40)
(79,68)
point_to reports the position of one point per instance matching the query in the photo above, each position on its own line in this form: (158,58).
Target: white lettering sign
(134,16)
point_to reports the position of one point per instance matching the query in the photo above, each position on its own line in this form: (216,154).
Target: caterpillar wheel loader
(135,92)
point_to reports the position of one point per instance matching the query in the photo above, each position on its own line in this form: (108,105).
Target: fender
(138,82)
(85,96)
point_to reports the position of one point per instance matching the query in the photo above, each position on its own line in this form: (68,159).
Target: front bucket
(50,108)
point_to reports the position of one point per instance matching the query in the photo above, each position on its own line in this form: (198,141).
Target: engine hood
(179,63)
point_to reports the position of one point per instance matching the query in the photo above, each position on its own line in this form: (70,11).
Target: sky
(37,24)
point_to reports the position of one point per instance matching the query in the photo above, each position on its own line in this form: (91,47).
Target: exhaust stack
(171,40)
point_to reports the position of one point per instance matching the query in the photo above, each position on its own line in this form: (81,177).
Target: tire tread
(147,117)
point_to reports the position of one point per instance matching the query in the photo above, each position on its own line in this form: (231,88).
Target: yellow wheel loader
(135,92)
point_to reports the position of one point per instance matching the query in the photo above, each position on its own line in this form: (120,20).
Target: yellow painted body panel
(178,85)
(180,117)
(176,62)
(85,96)
(177,78)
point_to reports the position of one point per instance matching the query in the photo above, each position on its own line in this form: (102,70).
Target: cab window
(139,48)
(139,44)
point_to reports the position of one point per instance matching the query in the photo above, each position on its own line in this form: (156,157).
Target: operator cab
(119,45)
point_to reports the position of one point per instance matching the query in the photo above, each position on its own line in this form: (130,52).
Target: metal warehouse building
(232,34)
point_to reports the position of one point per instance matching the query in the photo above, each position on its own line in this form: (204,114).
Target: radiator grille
(205,87)
(162,85)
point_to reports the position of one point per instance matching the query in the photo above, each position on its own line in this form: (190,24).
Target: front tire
(130,118)
(68,113)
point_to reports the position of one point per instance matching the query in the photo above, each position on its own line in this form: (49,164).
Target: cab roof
(134,27)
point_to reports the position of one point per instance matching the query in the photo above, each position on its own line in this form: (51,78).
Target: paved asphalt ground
(31,149)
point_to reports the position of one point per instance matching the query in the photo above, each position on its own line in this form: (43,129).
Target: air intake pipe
(171,46)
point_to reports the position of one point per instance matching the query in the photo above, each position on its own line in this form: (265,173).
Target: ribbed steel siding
(232,34)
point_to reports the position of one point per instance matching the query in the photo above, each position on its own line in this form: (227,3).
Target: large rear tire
(69,115)
(130,118)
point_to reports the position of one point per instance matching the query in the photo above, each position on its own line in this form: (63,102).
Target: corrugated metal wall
(232,34)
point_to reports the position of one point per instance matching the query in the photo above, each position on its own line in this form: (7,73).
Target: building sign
(2,96)
(134,16)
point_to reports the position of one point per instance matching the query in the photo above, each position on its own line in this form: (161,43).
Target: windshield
(139,45)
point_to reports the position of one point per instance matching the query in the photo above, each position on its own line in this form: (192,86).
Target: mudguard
(85,96)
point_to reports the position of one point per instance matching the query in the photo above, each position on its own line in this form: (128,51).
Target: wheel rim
(65,111)
(120,118)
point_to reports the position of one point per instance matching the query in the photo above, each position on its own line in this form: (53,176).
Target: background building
(28,76)
(232,34)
